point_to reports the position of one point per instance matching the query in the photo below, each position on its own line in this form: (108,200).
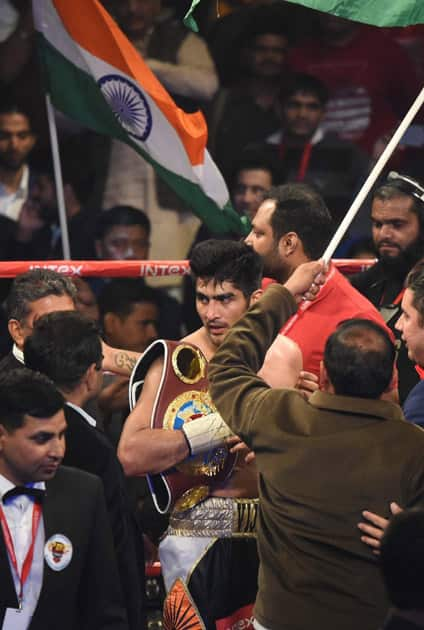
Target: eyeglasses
(406,185)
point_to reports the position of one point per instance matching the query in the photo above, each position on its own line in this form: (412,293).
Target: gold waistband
(220,517)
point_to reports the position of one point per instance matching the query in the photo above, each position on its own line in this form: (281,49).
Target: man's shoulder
(413,407)
(10,362)
(74,479)
(362,279)
(353,299)
(331,140)
(77,423)
(87,447)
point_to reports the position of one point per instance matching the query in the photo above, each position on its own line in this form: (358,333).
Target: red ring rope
(134,268)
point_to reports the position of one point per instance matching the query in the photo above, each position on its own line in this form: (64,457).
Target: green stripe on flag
(77,95)
(189,19)
(376,12)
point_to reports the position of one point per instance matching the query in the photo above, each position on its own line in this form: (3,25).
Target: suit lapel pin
(58,552)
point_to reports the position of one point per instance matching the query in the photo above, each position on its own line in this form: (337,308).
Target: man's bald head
(359,358)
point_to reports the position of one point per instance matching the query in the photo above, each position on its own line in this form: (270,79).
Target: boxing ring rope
(136,268)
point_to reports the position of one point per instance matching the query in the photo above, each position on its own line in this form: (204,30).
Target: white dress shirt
(18,512)
(18,354)
(11,203)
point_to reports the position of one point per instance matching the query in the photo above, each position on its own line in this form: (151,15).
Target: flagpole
(58,179)
(372,177)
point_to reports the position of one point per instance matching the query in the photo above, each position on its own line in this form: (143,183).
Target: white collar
(18,354)
(278,136)
(24,183)
(6,485)
(89,419)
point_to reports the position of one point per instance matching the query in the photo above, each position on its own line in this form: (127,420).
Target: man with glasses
(32,295)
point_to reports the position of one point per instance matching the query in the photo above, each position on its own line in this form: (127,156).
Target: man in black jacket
(67,348)
(71,579)
(397,216)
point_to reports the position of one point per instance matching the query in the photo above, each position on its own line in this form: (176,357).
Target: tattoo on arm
(124,361)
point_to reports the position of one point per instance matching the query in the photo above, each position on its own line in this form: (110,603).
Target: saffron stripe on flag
(116,94)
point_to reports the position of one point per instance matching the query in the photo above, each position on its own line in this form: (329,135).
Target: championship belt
(182,396)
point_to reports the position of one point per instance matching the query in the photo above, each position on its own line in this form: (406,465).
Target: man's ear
(287,244)
(15,331)
(91,378)
(392,390)
(256,295)
(324,381)
(109,322)
(3,433)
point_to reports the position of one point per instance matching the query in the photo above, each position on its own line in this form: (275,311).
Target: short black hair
(306,84)
(415,282)
(254,158)
(121,215)
(300,208)
(359,359)
(35,285)
(63,345)
(265,21)
(227,261)
(402,186)
(27,393)
(121,294)
(402,560)
(11,106)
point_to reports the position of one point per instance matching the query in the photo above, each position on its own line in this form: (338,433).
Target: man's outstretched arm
(239,394)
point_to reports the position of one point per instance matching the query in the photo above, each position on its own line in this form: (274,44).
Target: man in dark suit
(57,562)
(67,348)
(33,294)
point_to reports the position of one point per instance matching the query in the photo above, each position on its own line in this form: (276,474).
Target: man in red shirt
(293,226)
(371,80)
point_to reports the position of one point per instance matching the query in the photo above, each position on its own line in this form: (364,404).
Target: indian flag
(376,12)
(95,76)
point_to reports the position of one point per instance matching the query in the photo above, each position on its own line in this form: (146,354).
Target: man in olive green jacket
(320,462)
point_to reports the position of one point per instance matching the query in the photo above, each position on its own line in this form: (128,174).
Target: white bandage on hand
(206,433)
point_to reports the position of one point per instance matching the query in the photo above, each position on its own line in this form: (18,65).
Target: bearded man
(397,215)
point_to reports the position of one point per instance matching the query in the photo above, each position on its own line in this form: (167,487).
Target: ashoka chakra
(128,104)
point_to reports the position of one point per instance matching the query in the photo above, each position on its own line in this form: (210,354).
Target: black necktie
(36,493)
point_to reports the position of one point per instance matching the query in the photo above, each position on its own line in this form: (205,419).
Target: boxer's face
(219,306)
